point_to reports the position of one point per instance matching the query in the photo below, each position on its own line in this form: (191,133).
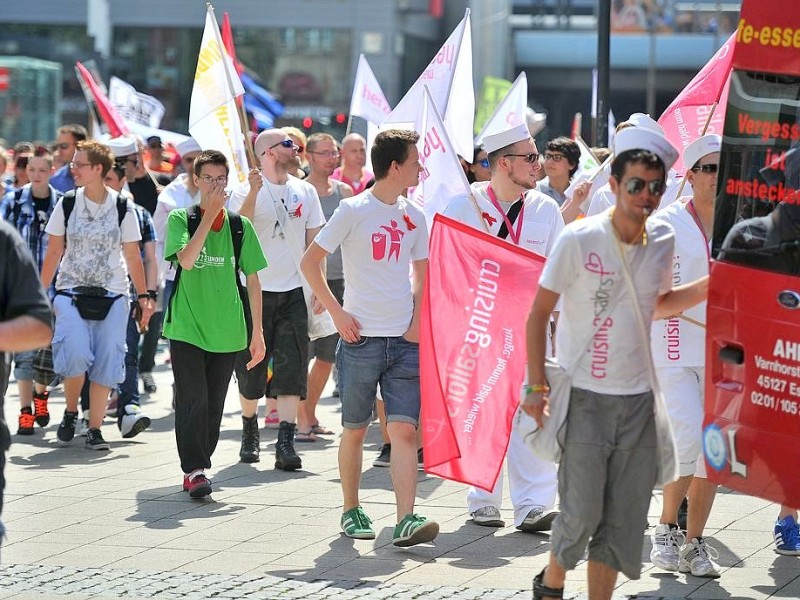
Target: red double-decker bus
(751,435)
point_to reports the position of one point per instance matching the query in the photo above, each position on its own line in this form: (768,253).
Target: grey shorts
(325,348)
(605,480)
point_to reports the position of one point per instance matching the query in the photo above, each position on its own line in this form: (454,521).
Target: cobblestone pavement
(84,524)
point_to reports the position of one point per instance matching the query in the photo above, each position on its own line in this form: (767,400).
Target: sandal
(320,430)
(305,437)
(541,591)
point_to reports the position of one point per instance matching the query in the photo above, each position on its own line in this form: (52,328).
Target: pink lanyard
(514,235)
(693,212)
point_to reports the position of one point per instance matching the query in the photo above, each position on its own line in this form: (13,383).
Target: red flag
(99,104)
(227,41)
(478,293)
(687,116)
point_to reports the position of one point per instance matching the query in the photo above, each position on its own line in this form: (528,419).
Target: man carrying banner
(512,209)
(381,234)
(612,451)
(354,157)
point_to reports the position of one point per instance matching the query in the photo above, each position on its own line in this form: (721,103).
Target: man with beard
(287,216)
(512,209)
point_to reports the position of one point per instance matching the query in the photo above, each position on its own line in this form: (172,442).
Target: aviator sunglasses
(634,185)
(709,168)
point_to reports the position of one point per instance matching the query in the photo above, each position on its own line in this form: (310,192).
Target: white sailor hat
(699,148)
(635,138)
(643,121)
(505,138)
(122,146)
(187,146)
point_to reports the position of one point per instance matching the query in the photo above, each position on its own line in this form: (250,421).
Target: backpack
(68,205)
(237,235)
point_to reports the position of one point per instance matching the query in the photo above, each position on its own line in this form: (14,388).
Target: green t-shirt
(206,310)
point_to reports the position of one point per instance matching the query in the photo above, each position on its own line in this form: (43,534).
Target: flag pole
(252,162)
(705,128)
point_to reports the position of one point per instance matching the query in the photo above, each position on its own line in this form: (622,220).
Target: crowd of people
(316,265)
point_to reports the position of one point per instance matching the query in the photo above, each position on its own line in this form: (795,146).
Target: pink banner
(478,294)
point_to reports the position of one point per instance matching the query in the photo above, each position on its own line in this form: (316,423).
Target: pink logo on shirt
(601,343)
(392,238)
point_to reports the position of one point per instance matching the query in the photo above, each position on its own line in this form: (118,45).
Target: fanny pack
(93,303)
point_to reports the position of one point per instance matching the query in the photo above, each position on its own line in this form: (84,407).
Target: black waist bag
(92,302)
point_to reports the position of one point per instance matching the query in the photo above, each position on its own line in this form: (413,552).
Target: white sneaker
(538,519)
(82,427)
(696,558)
(665,553)
(488,516)
(133,422)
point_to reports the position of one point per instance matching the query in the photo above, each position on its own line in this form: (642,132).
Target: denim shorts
(96,347)
(23,365)
(391,362)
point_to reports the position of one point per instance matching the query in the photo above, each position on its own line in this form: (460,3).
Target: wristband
(537,388)
(143,296)
(152,294)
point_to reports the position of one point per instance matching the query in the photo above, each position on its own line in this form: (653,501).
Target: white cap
(699,148)
(187,146)
(635,138)
(496,141)
(123,146)
(644,121)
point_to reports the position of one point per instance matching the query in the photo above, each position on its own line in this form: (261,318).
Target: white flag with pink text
(442,178)
(368,100)
(511,110)
(448,78)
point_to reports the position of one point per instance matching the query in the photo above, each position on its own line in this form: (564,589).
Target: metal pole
(603,71)
(651,70)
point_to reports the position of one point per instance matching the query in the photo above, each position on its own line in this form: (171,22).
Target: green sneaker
(413,530)
(356,524)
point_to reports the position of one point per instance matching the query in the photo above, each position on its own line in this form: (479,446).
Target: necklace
(618,237)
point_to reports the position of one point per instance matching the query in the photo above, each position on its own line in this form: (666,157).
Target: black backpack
(68,205)
(237,235)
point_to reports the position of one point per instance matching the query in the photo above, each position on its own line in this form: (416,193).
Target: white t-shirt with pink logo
(585,269)
(379,242)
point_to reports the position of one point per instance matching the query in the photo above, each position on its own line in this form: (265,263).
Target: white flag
(511,110)
(134,106)
(368,101)
(442,178)
(448,78)
(213,117)
(588,167)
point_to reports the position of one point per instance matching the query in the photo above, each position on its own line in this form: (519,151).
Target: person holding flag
(510,208)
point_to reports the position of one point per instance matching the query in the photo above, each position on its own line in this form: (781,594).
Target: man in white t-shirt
(510,208)
(679,349)
(382,236)
(91,250)
(287,215)
(609,463)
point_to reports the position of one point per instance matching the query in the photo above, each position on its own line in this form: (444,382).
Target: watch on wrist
(152,294)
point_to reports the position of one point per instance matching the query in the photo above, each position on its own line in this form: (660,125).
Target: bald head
(268,138)
(354,151)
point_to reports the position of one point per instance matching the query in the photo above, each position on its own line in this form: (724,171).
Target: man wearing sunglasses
(67,140)
(614,450)
(287,215)
(512,209)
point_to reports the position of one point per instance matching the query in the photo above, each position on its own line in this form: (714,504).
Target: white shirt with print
(378,247)
(93,254)
(282,215)
(585,269)
(676,342)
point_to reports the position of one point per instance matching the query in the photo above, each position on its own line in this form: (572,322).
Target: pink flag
(478,293)
(687,116)
(99,104)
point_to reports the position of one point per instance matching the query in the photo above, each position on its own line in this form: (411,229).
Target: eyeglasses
(287,143)
(79,165)
(529,158)
(484,162)
(553,157)
(222,179)
(709,168)
(635,185)
(325,154)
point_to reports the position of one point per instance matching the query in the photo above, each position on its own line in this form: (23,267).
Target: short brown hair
(391,146)
(210,157)
(78,132)
(316,138)
(98,154)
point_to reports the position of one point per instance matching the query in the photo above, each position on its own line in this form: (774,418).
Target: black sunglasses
(285,143)
(634,185)
(529,158)
(709,168)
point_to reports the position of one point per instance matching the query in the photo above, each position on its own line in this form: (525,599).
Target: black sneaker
(384,458)
(420,461)
(149,383)
(66,430)
(95,441)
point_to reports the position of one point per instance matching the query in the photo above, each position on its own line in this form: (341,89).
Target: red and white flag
(684,120)
(511,110)
(101,108)
(449,78)
(368,100)
(478,293)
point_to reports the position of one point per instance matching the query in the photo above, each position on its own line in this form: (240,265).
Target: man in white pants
(512,209)
(678,346)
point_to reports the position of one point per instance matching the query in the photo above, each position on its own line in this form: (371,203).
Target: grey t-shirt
(329,205)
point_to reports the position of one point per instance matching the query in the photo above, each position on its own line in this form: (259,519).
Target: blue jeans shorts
(23,365)
(391,362)
(96,347)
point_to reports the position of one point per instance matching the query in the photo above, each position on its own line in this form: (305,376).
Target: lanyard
(693,212)
(514,235)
